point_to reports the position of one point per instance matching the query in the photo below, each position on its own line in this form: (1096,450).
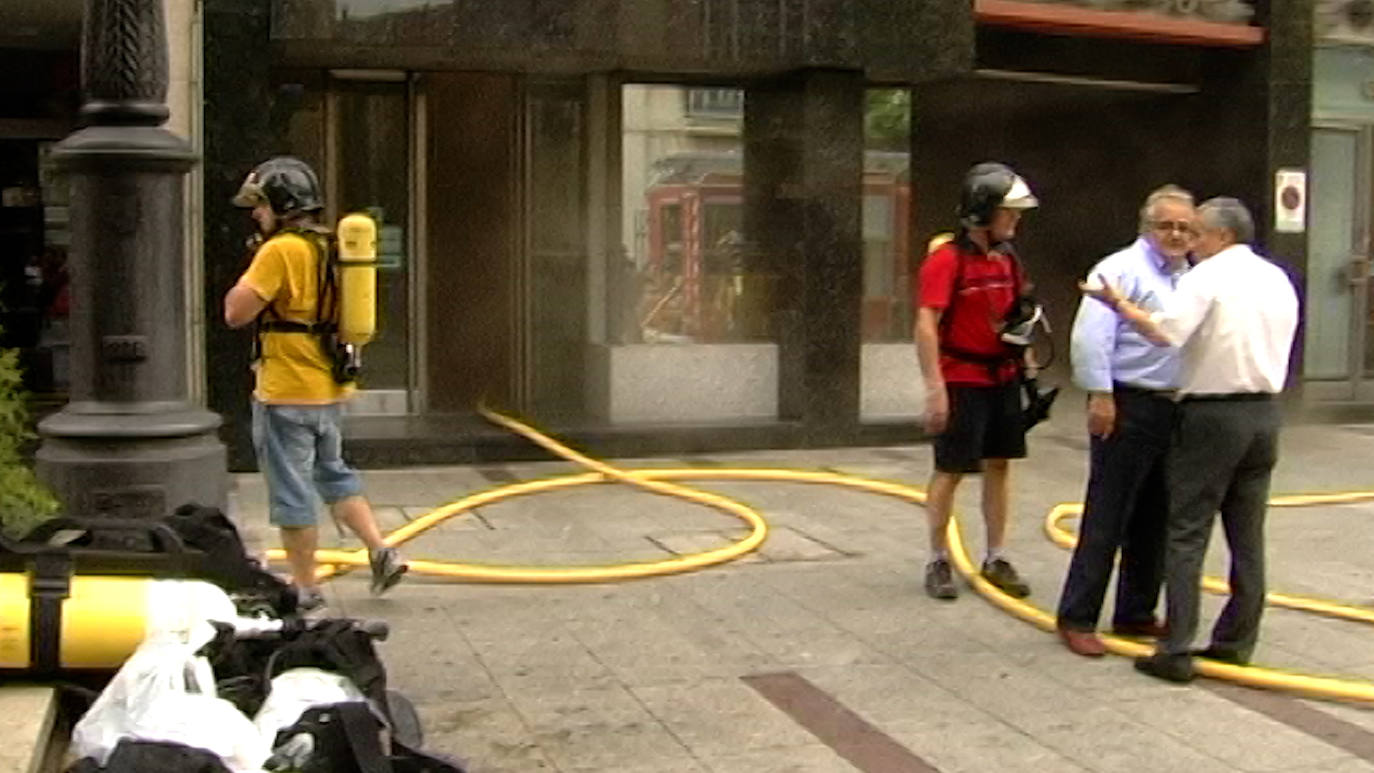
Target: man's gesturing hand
(1101,289)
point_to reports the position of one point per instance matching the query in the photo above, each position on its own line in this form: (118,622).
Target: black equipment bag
(244,667)
(193,543)
(227,564)
(340,738)
(347,738)
(134,756)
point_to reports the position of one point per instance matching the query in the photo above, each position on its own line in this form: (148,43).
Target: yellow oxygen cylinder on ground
(357,279)
(14,621)
(104,619)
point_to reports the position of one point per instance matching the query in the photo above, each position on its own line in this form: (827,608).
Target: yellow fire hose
(659,481)
(1061,537)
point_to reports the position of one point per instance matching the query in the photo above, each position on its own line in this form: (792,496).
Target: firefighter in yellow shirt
(297,403)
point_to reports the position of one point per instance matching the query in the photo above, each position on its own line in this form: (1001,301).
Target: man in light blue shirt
(1130,383)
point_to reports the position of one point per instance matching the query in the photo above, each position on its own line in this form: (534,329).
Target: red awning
(1077,21)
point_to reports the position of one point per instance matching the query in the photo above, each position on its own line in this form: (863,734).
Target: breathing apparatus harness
(344,359)
(1016,332)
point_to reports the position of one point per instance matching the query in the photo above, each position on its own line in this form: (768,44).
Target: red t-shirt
(986,292)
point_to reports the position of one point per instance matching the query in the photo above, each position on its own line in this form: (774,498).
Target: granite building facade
(492,145)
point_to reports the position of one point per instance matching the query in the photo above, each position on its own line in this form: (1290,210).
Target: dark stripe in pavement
(1290,711)
(496,474)
(849,735)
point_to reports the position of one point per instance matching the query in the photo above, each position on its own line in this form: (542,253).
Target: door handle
(1357,270)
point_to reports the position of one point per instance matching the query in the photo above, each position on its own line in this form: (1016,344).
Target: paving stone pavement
(646,676)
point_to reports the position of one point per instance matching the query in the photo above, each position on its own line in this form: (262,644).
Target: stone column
(1288,61)
(130,443)
(1256,110)
(803,156)
(1288,72)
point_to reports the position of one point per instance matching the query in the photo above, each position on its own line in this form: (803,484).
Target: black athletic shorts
(984,423)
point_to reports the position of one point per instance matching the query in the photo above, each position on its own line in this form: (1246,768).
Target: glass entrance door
(370,161)
(1339,346)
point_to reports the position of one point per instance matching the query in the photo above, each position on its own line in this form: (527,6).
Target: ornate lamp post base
(120,475)
(129,443)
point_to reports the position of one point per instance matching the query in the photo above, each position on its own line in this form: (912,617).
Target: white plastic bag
(165,693)
(298,689)
(181,610)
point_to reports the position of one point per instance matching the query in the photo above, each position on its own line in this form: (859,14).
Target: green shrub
(24,502)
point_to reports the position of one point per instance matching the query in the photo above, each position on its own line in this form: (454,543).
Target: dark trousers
(1224,452)
(1126,508)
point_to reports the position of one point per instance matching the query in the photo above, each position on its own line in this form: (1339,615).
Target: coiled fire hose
(662,481)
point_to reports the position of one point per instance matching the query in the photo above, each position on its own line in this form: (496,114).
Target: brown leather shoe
(1085,643)
(1150,630)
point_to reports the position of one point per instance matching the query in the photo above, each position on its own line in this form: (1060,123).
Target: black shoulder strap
(49,586)
(954,288)
(326,292)
(326,295)
(347,739)
(992,361)
(1018,277)
(363,732)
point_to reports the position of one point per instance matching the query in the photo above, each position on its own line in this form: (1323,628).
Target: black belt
(291,326)
(1233,397)
(1131,389)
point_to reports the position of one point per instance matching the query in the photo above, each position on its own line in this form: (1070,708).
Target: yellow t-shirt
(294,369)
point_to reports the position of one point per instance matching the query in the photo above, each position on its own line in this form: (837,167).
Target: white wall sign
(1290,201)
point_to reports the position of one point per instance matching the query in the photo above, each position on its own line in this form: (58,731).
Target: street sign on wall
(1290,201)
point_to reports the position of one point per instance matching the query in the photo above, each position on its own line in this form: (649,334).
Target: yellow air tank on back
(357,279)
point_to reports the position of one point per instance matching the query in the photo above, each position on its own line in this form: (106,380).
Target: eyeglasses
(1173,226)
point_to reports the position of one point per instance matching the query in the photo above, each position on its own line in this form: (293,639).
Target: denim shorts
(300,453)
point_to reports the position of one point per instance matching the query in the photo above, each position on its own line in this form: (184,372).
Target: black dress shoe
(1222,656)
(1171,668)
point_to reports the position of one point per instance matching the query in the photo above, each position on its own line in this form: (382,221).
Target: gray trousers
(1221,460)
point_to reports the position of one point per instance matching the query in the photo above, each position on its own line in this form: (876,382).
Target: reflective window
(887,216)
(556,199)
(685,276)
(373,162)
(715,103)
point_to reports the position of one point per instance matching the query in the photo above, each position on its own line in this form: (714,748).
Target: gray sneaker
(940,580)
(387,569)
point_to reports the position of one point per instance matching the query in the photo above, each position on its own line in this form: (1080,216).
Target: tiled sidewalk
(660,675)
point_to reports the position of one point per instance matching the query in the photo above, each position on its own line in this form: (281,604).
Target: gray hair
(1169,192)
(1228,214)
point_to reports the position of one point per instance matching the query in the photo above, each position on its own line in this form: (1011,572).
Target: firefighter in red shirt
(968,288)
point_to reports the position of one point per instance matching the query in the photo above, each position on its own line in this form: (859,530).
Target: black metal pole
(129,443)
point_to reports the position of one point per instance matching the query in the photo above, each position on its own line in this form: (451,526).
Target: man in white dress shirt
(1233,317)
